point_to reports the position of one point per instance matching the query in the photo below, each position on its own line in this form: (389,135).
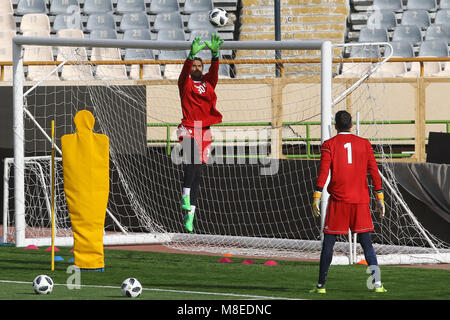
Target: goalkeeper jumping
(347,158)
(198,104)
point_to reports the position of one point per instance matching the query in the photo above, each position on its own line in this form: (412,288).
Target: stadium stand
(6,51)
(35,21)
(168,20)
(67,21)
(127,6)
(39,53)
(110,19)
(171,34)
(103,34)
(438,32)
(373,35)
(408,33)
(108,72)
(159,6)
(429,5)
(442,17)
(98,6)
(134,20)
(73,72)
(7,21)
(394,5)
(63,6)
(101,20)
(191,6)
(444,4)
(417,22)
(420,18)
(382,19)
(6,7)
(172,71)
(199,20)
(35,6)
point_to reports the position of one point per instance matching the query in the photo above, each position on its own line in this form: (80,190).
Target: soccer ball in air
(131,288)
(43,284)
(218,17)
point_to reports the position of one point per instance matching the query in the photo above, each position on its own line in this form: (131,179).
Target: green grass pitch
(168,276)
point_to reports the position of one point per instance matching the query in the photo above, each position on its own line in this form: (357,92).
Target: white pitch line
(169,290)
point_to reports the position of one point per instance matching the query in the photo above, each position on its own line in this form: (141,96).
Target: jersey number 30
(348,146)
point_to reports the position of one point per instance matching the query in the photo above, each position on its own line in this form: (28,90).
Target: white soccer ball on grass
(131,288)
(43,284)
(218,17)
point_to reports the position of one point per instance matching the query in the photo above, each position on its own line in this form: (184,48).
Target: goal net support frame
(326,75)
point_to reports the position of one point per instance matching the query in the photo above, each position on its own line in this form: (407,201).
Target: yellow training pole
(53,194)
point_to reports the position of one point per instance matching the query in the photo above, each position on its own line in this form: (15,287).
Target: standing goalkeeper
(198,104)
(347,158)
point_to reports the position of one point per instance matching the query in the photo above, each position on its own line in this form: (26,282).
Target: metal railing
(308,140)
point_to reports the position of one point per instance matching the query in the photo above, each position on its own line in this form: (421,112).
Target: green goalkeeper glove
(214,45)
(196,47)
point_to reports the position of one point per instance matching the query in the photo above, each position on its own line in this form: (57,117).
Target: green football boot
(189,222)
(321,290)
(186,202)
(380,289)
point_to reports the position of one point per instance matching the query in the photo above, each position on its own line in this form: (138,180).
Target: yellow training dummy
(85,156)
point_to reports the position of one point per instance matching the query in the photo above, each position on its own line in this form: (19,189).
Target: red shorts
(343,216)
(202,137)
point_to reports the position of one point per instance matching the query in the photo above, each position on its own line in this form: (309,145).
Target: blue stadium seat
(36,6)
(442,17)
(168,20)
(402,49)
(100,21)
(126,6)
(63,6)
(199,20)
(369,51)
(158,6)
(134,20)
(382,19)
(444,4)
(99,34)
(191,6)
(373,35)
(172,55)
(205,34)
(438,32)
(137,34)
(393,5)
(429,5)
(433,48)
(409,33)
(67,21)
(171,34)
(97,6)
(420,18)
(430,48)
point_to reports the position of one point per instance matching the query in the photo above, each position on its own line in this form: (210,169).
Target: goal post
(245,208)
(19,108)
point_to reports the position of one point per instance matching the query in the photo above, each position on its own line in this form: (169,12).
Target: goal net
(256,192)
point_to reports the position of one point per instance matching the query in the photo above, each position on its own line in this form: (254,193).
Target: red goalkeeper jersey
(348,158)
(198,98)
